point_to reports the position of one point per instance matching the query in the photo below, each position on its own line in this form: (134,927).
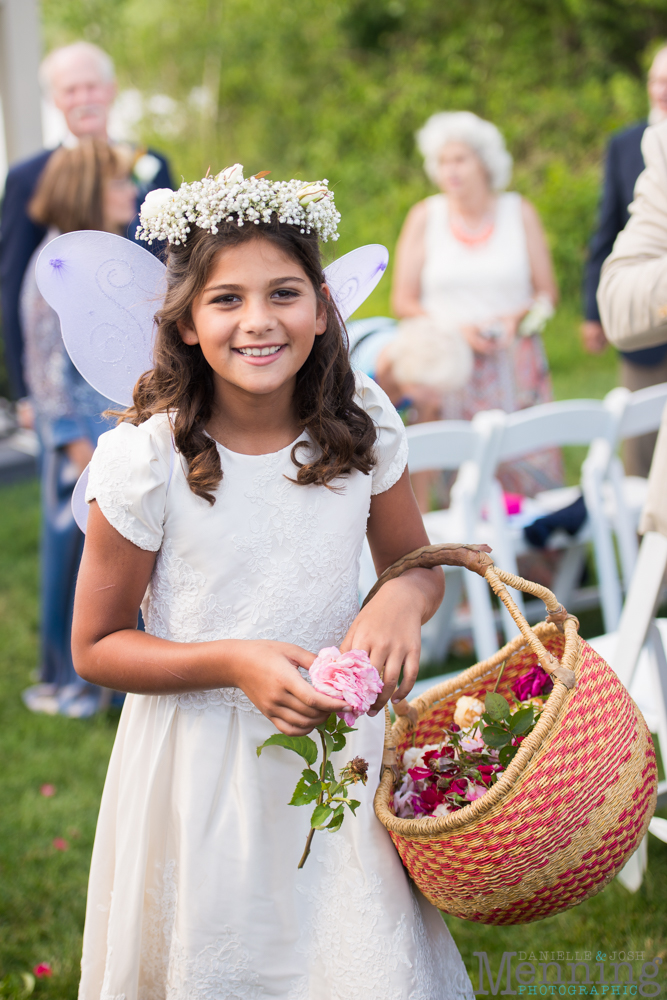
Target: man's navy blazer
(623,166)
(20,237)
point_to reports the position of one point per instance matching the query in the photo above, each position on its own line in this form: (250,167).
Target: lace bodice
(269,560)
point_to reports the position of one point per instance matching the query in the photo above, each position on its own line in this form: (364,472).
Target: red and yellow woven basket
(574,803)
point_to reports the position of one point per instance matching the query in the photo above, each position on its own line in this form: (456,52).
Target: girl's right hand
(268,675)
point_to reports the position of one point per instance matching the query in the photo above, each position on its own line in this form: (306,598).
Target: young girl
(231,503)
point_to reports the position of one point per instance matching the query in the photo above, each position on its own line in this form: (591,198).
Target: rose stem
(499,676)
(309,838)
(306,851)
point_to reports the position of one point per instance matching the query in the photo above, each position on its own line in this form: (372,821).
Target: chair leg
(481,611)
(640,605)
(631,874)
(659,671)
(437,633)
(568,573)
(609,584)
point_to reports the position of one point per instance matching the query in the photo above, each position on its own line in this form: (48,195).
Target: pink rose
(43,969)
(349,676)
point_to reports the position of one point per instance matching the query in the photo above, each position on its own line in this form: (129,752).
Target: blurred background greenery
(334,90)
(337,90)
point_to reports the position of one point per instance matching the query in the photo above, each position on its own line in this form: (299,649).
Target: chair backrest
(359,329)
(442,445)
(367,337)
(643,411)
(552,425)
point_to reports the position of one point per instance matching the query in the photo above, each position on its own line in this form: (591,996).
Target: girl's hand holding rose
(267,673)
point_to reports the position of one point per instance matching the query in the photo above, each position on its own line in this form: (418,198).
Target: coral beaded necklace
(472,236)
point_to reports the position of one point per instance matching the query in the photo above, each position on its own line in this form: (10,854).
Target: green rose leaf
(344,728)
(320,816)
(330,725)
(336,822)
(506,755)
(522,720)
(310,776)
(495,737)
(329,773)
(303,745)
(305,793)
(496,706)
(338,741)
(328,740)
(353,804)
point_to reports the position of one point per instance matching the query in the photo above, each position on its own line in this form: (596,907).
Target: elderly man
(633,294)
(623,166)
(80,81)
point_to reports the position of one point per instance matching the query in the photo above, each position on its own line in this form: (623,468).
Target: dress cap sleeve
(128,477)
(391,445)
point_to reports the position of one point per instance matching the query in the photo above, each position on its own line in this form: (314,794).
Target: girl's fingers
(390,674)
(291,723)
(410,674)
(292,703)
(311,699)
(298,656)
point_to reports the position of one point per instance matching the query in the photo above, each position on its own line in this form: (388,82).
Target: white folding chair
(466,448)
(367,337)
(624,496)
(463,447)
(555,425)
(637,653)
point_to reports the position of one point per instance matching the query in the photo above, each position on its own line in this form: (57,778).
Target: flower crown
(228,197)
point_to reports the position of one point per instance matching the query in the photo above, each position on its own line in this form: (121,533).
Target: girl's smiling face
(256,319)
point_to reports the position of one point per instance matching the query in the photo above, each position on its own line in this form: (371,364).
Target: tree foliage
(338,89)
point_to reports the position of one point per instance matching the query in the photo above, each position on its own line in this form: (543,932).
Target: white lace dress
(194,889)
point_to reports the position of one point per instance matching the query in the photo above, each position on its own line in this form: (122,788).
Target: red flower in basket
(428,800)
(532,684)
(420,773)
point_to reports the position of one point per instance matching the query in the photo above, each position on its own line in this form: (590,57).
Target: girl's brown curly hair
(181,383)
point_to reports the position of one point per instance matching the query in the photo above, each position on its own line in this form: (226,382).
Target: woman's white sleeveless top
(475,284)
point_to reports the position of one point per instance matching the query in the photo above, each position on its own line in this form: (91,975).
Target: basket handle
(476,558)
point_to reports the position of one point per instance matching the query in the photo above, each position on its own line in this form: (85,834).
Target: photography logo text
(564,973)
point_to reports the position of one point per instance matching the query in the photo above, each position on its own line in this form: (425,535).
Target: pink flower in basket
(350,676)
(475,791)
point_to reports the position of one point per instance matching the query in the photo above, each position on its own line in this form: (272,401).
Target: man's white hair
(76,49)
(482,137)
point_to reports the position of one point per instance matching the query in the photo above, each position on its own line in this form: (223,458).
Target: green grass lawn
(42,889)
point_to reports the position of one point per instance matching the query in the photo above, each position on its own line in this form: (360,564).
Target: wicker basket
(574,803)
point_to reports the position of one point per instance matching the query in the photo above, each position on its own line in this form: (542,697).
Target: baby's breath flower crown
(228,197)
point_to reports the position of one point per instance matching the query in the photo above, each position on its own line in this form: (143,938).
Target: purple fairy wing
(106,291)
(353,276)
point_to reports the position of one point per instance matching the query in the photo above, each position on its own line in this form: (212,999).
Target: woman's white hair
(482,137)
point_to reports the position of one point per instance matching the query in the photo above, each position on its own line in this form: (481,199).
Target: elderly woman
(86,187)
(475,258)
